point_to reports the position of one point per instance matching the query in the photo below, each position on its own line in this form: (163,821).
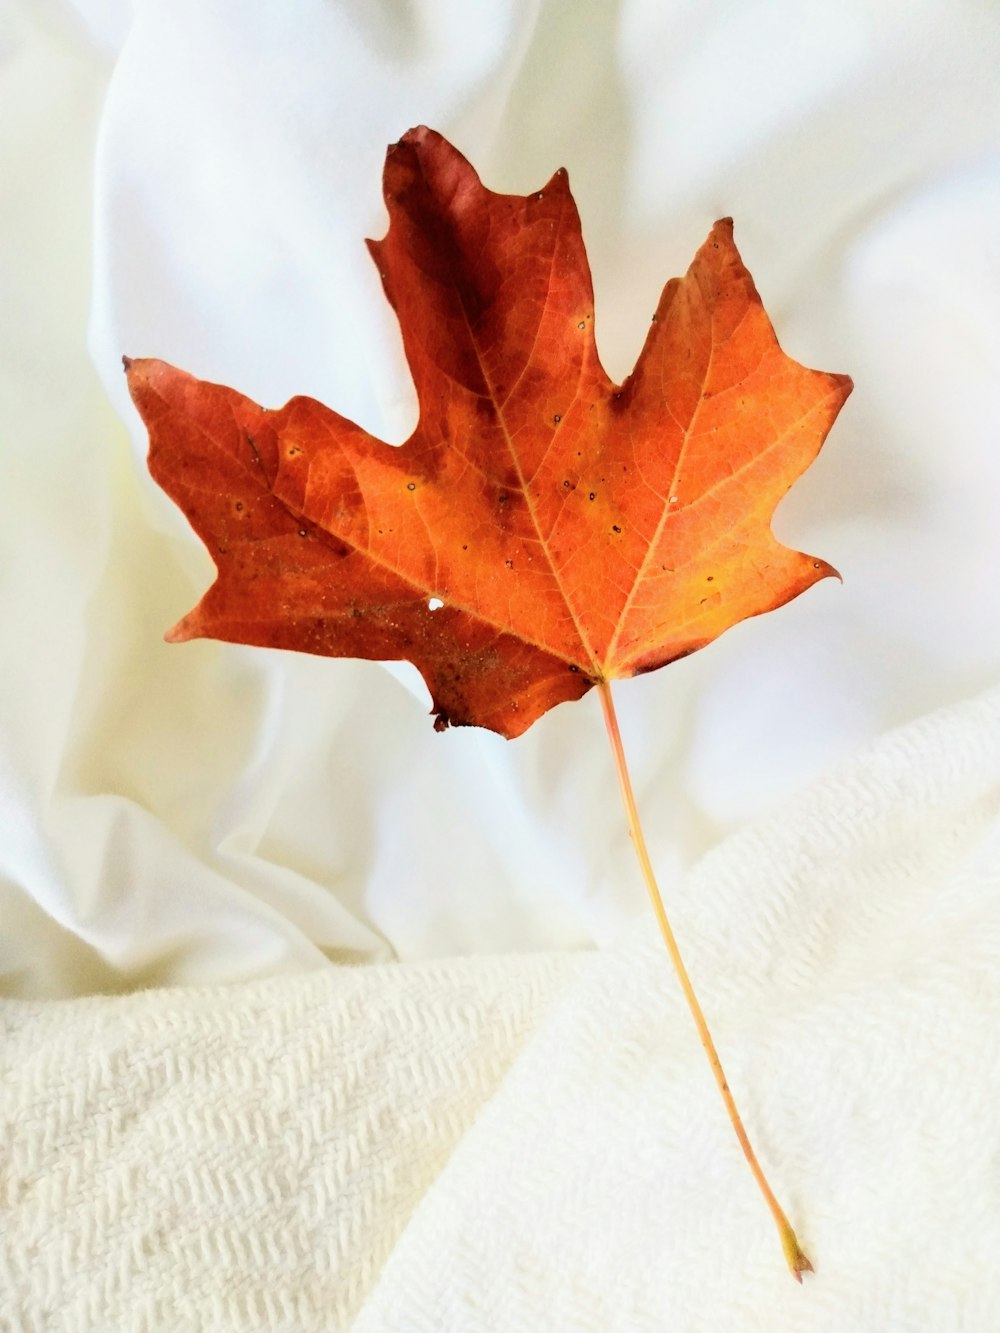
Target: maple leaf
(542,530)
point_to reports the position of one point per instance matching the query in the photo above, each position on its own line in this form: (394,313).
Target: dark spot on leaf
(502,498)
(615,527)
(567,483)
(593,495)
(411,485)
(356,612)
(465,548)
(303,533)
(238,506)
(557,418)
(582,324)
(509,564)
(573,667)
(293,449)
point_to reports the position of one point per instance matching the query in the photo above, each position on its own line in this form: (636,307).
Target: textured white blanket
(534,1142)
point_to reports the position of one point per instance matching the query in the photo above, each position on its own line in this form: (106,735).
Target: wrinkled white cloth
(207,812)
(535,1141)
(250,1134)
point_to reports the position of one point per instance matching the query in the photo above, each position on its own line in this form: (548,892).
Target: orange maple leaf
(542,530)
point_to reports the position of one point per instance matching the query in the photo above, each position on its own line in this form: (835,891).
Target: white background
(196,179)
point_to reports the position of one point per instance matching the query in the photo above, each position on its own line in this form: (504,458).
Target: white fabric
(535,1142)
(532,1140)
(203,813)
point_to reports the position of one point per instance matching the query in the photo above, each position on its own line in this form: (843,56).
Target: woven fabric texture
(534,1142)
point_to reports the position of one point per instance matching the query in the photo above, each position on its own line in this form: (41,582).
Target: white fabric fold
(200,813)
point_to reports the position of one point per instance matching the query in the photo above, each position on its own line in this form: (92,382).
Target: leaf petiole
(794,1256)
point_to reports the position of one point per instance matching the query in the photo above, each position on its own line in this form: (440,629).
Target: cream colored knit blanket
(534,1142)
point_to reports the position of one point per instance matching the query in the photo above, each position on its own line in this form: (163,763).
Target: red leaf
(542,529)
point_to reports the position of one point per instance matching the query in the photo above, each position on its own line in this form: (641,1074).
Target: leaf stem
(796,1259)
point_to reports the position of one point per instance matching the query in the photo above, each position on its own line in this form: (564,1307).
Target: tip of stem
(798,1262)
